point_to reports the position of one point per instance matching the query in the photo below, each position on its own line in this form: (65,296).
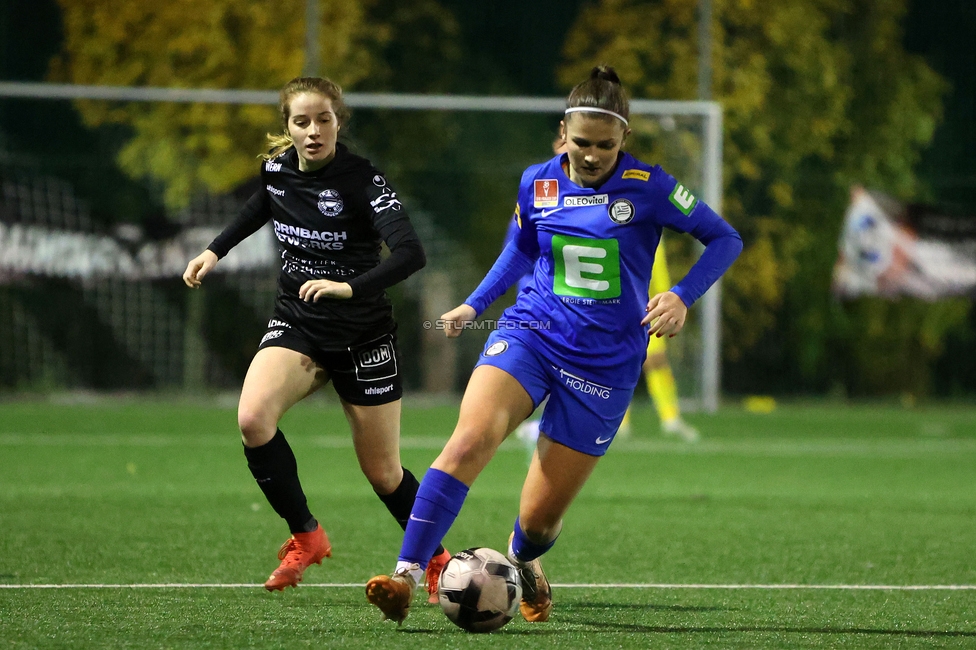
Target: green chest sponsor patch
(586,268)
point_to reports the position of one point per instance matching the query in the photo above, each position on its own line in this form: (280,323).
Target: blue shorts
(580,414)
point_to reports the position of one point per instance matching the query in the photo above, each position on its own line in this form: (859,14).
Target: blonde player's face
(314,128)
(592,144)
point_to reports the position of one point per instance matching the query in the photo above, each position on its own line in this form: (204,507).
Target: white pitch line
(622,585)
(818,447)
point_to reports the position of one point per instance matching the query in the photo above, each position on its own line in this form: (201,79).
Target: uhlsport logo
(378,390)
(376,356)
(330,203)
(584,201)
(496,348)
(270,336)
(621,211)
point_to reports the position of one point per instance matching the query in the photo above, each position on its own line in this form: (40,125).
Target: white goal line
(621,585)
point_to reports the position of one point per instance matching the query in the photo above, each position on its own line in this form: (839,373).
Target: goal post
(709,159)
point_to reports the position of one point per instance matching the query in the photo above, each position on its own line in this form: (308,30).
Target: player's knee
(469,447)
(384,478)
(255,425)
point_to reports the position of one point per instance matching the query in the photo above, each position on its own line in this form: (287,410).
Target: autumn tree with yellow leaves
(190,148)
(817,95)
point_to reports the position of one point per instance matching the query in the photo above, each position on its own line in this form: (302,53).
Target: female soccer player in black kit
(332,319)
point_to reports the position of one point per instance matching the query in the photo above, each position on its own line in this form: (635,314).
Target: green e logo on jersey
(586,268)
(683,199)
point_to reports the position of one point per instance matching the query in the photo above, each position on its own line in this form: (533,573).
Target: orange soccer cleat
(536,602)
(434,568)
(300,551)
(392,594)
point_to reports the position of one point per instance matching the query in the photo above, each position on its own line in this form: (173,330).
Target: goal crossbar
(397,101)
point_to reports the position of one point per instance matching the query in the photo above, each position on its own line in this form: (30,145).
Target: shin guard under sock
(437,505)
(275,469)
(400,502)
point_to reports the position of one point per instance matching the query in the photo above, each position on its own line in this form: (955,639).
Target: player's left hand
(312,290)
(666,313)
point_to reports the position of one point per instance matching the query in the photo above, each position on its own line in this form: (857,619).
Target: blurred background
(102,203)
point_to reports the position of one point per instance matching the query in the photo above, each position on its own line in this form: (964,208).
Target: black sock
(400,501)
(274,467)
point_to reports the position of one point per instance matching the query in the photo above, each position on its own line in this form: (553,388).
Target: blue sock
(525,550)
(437,505)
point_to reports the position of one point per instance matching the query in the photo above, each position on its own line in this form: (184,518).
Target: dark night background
(518,44)
(508,47)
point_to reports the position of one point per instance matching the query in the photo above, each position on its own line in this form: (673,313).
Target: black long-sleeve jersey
(330,224)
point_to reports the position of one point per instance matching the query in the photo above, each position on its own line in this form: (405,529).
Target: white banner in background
(34,250)
(888,248)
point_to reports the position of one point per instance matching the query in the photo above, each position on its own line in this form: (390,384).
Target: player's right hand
(455,319)
(198,267)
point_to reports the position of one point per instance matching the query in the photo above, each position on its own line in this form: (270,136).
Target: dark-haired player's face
(314,128)
(592,144)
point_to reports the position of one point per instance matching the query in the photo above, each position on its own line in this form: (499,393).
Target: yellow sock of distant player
(661,388)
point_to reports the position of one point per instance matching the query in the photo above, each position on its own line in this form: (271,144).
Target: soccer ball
(479,590)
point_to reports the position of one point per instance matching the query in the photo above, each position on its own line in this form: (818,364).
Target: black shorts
(365,374)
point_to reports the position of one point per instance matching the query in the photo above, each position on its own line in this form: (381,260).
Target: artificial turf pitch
(144,516)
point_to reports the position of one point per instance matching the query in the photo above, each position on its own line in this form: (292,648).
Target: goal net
(90,295)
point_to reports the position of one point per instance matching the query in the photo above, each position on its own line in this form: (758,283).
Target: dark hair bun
(606,73)
(601,90)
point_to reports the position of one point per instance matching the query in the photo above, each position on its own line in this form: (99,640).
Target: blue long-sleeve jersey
(593,249)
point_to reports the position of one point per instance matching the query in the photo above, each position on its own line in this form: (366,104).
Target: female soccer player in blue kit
(590,221)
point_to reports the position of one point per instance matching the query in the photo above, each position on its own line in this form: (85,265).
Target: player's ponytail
(601,94)
(279,143)
(605,72)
